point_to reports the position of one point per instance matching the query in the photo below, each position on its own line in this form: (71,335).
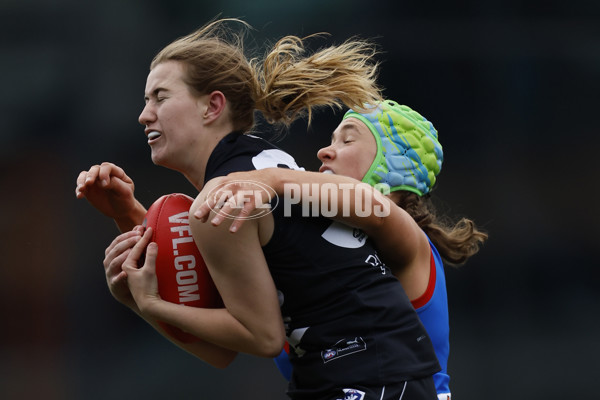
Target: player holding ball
(352,330)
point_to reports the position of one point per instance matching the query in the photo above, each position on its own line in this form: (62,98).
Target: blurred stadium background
(512,86)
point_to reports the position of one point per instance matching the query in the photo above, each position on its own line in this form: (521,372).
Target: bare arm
(123,249)
(399,240)
(338,197)
(251,321)
(401,243)
(240,272)
(108,188)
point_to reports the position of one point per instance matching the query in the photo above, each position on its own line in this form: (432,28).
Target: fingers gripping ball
(180,270)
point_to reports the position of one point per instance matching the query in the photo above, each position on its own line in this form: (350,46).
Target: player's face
(352,150)
(172,116)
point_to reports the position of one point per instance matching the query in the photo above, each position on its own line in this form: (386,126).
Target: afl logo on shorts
(353,394)
(343,348)
(329,354)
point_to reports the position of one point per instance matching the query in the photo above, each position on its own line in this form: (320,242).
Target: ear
(215,106)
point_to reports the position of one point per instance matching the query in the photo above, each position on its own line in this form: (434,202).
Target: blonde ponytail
(293,83)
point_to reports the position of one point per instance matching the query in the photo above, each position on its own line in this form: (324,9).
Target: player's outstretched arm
(108,188)
(399,240)
(345,199)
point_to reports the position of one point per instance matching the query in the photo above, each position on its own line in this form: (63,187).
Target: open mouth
(153,135)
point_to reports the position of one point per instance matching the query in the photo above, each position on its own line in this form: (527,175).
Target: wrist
(278,179)
(148,306)
(135,216)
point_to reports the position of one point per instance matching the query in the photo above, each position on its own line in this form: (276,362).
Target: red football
(180,270)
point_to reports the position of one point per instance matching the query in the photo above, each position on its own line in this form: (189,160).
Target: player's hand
(115,255)
(142,281)
(108,188)
(236,197)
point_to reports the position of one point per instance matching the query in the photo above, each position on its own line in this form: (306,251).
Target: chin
(165,163)
(160,161)
(155,159)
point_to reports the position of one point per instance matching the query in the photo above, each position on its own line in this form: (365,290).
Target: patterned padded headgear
(409,155)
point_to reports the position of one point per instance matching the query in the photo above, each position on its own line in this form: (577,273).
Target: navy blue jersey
(348,320)
(237,152)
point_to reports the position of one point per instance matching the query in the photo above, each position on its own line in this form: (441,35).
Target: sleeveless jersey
(348,320)
(432,308)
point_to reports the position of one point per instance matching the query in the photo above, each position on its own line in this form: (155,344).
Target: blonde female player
(394,147)
(349,333)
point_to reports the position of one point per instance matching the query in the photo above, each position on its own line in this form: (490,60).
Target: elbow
(214,355)
(271,346)
(269,339)
(374,226)
(273,349)
(224,362)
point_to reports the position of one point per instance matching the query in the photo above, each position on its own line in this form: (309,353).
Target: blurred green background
(511,86)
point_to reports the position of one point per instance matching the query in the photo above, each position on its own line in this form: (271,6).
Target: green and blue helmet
(409,155)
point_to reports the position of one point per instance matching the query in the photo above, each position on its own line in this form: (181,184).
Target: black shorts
(418,389)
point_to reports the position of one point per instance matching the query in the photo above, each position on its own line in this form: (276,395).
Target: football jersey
(347,318)
(432,308)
